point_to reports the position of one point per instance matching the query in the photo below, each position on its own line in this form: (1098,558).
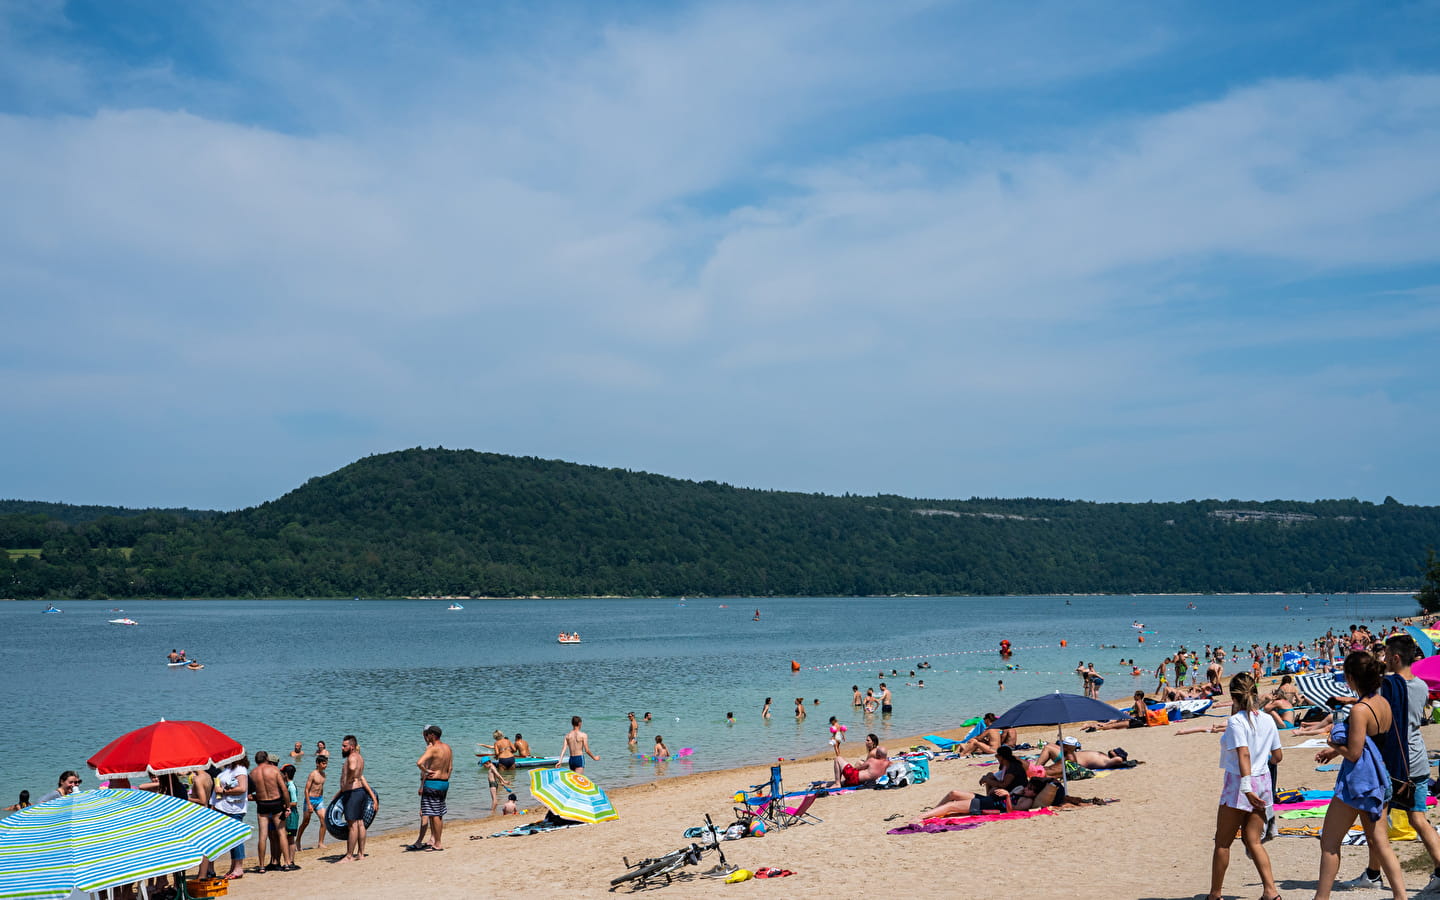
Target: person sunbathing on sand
(1138,712)
(989,740)
(1038,792)
(1282,711)
(872,767)
(1009,775)
(1090,759)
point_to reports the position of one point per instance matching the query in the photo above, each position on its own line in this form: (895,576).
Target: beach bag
(1157,717)
(919,769)
(1077,772)
(1399,826)
(898,774)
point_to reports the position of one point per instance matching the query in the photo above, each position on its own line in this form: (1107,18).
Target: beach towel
(963,823)
(1313,742)
(1363,784)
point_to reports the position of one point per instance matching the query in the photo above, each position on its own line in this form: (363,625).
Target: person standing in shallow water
(765,712)
(576,747)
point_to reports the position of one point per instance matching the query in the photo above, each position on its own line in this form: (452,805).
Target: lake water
(281,671)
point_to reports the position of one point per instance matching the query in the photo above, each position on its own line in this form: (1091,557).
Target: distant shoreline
(747,598)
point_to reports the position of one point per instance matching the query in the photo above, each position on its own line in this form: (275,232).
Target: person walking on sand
(1362,787)
(314,801)
(435,765)
(575,748)
(354,791)
(1407,696)
(1249,745)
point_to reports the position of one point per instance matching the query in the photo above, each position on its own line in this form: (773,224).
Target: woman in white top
(1250,743)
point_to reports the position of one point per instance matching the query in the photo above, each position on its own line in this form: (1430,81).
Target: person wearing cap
(1070,748)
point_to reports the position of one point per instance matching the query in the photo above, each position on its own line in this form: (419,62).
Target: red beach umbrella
(165,748)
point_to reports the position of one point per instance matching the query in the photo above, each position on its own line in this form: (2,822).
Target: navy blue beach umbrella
(1060,710)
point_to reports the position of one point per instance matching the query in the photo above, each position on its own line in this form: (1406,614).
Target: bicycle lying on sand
(641,872)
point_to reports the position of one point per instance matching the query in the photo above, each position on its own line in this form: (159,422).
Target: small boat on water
(454,606)
(125,621)
(571,638)
(51,609)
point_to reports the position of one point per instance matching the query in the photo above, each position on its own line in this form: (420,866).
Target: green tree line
(463,522)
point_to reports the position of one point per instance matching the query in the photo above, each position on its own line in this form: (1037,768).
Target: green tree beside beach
(1429,596)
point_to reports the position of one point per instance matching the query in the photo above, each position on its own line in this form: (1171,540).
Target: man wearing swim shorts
(314,801)
(272,805)
(355,790)
(434,765)
(576,747)
(885,707)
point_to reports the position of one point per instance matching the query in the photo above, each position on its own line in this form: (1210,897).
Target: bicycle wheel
(644,869)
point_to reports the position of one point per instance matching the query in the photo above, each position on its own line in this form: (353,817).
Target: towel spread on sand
(962,823)
(1283,808)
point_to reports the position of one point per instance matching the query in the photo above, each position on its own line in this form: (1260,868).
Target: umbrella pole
(1064,773)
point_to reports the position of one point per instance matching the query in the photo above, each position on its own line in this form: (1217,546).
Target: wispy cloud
(765,243)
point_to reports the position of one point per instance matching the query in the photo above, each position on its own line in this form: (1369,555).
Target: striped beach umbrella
(1422,637)
(93,840)
(571,795)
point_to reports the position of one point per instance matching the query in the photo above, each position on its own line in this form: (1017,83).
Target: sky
(1106,251)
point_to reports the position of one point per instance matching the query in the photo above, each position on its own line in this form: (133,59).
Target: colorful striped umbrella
(1424,637)
(93,840)
(571,795)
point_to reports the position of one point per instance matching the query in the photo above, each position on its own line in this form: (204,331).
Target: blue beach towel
(1365,783)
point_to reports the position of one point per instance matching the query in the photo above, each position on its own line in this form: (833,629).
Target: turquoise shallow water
(281,671)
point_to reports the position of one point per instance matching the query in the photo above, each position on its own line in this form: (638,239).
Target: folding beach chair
(785,816)
(775,813)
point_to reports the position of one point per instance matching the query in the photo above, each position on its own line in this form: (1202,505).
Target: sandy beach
(1154,843)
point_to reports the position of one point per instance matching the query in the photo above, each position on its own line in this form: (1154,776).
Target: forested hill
(468,523)
(71,514)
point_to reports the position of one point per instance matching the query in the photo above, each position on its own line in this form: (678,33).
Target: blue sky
(1105,251)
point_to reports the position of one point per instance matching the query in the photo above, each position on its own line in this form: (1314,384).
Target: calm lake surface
(278,671)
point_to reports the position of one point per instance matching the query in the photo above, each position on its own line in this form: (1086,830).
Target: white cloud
(543,221)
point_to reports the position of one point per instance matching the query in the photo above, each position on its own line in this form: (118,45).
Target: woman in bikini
(1363,786)
(504,751)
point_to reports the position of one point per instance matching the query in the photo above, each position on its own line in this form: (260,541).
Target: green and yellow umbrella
(571,795)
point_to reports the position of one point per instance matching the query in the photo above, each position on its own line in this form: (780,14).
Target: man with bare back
(435,765)
(576,747)
(354,791)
